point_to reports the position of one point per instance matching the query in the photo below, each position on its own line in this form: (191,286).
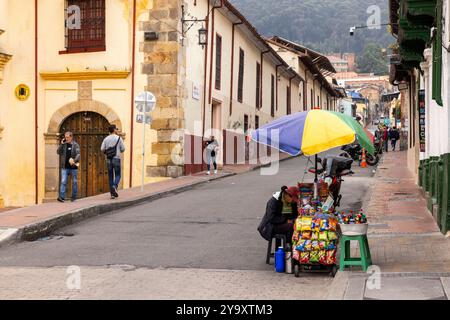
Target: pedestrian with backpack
(112,147)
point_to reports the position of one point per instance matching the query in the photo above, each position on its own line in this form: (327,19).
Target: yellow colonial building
(76,65)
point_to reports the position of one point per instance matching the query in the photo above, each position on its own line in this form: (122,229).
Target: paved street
(212,226)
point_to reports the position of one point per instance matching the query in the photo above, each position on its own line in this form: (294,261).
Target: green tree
(373,60)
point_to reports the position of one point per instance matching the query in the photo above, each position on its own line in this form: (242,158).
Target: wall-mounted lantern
(202,36)
(202,32)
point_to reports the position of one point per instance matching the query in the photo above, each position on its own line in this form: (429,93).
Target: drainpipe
(276,86)
(133,65)
(261,79)
(36,125)
(205,68)
(232,66)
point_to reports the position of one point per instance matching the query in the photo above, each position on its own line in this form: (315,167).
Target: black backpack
(112,151)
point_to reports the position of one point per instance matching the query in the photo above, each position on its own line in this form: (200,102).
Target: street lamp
(202,36)
(202,32)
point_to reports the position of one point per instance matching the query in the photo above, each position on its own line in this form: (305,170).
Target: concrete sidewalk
(31,223)
(409,253)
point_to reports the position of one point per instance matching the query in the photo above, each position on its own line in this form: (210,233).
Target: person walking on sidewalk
(112,147)
(69,158)
(394,135)
(385,138)
(212,148)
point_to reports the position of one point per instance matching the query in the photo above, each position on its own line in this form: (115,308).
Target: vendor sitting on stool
(281,212)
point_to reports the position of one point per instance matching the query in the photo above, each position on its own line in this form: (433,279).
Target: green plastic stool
(346,260)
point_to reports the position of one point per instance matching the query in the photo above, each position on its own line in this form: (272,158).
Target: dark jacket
(274,216)
(76,155)
(394,134)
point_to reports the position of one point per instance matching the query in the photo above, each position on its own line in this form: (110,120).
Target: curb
(339,286)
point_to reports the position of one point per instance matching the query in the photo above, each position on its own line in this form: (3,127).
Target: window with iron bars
(91,36)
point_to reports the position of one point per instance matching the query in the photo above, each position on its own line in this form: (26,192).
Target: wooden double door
(89,129)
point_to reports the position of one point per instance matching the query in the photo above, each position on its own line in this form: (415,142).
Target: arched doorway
(89,130)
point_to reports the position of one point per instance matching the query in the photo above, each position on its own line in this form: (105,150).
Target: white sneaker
(215,171)
(208,173)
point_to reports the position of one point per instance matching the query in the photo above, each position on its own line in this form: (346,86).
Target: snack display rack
(315,239)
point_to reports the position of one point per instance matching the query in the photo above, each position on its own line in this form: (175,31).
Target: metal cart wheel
(334,270)
(297,271)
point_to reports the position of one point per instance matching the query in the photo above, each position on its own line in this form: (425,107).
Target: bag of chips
(316,225)
(331,245)
(308,245)
(306,235)
(314,256)
(300,245)
(322,257)
(306,223)
(315,245)
(315,236)
(323,236)
(323,225)
(296,255)
(304,257)
(331,257)
(332,223)
(332,235)
(323,245)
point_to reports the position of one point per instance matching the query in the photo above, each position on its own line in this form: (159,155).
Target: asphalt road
(212,226)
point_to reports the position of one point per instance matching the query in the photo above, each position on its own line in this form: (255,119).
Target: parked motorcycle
(354,151)
(333,168)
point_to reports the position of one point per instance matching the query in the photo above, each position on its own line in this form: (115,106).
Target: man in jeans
(69,155)
(114,168)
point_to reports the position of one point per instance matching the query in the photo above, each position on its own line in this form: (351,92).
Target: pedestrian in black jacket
(281,212)
(394,135)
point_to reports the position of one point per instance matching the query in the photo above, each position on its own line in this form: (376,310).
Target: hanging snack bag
(323,236)
(322,257)
(295,236)
(308,245)
(323,225)
(323,245)
(316,225)
(331,257)
(332,235)
(300,245)
(331,245)
(306,235)
(306,223)
(315,236)
(314,256)
(332,223)
(315,245)
(304,257)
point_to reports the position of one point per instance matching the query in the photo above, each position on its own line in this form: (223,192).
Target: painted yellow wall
(17,178)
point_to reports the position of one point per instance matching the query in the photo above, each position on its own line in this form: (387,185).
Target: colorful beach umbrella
(312,132)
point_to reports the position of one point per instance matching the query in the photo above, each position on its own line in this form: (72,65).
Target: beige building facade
(55,79)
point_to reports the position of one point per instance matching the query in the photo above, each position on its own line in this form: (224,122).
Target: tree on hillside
(372,60)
